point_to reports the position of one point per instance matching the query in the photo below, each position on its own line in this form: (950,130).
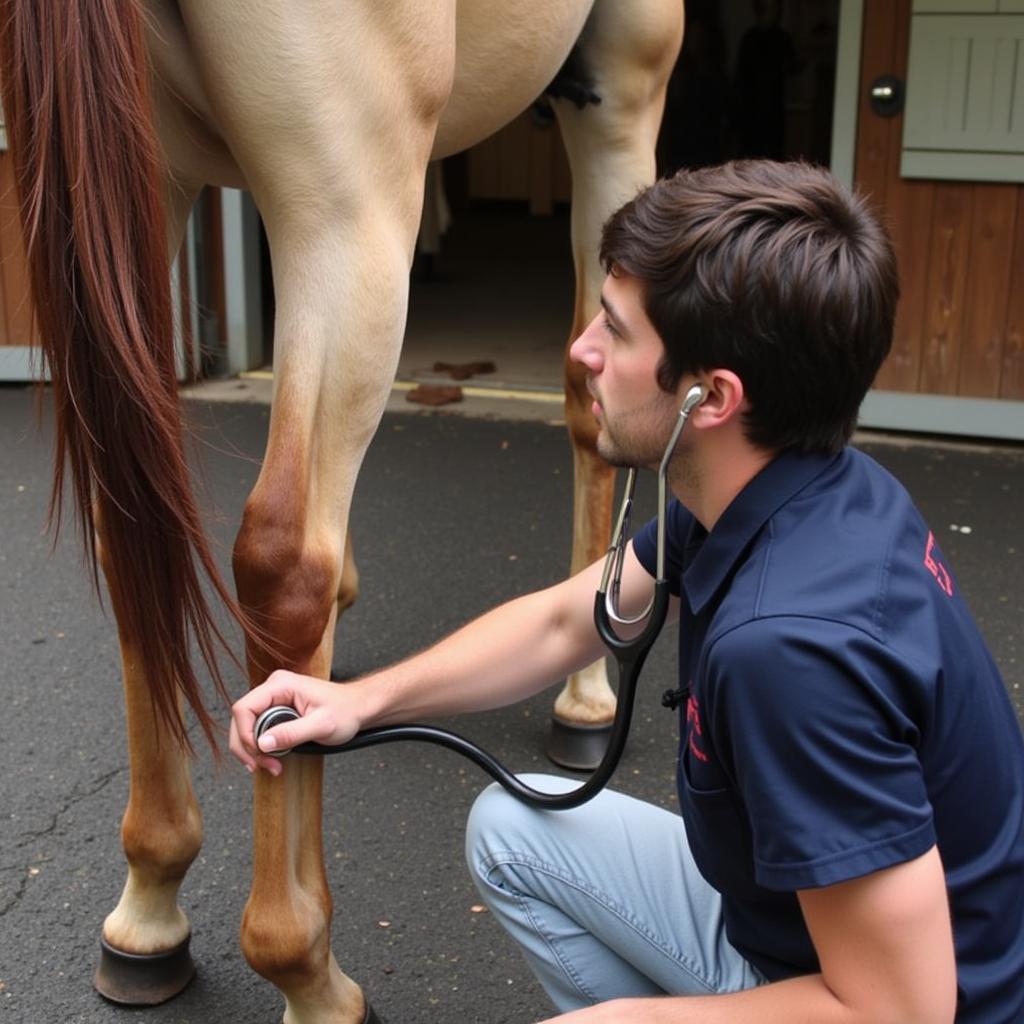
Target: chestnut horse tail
(87,162)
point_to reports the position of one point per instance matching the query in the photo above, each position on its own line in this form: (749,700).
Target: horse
(118,114)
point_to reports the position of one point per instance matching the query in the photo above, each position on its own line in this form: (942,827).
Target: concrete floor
(456,509)
(500,291)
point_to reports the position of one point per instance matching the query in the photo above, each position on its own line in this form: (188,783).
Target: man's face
(621,351)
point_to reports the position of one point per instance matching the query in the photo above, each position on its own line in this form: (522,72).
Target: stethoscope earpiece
(693,398)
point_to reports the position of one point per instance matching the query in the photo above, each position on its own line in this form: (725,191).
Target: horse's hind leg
(145,958)
(630,50)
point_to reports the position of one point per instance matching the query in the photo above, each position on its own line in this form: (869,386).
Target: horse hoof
(577,747)
(131,979)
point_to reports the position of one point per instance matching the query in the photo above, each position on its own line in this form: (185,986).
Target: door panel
(960,248)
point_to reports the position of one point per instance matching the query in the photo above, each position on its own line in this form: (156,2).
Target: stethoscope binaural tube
(629,654)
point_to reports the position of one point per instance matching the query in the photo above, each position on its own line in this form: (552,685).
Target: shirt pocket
(718,833)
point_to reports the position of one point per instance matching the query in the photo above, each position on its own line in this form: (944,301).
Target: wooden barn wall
(15,307)
(960,245)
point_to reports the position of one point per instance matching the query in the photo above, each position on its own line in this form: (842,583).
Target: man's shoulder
(830,552)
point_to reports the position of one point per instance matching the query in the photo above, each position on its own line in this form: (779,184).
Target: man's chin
(611,454)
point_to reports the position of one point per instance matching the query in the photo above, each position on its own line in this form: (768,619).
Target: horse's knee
(287,580)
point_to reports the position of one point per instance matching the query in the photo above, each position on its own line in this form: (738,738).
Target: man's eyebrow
(609,309)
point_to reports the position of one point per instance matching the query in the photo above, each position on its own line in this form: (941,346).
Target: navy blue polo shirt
(844,715)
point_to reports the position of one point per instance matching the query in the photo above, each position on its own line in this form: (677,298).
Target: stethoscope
(629,655)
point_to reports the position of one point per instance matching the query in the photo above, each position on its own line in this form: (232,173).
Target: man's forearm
(803,1000)
(504,656)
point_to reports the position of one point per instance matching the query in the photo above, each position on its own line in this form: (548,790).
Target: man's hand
(328,715)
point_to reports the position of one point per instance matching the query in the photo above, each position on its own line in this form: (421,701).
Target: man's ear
(724,400)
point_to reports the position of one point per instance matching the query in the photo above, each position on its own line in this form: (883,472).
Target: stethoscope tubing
(630,656)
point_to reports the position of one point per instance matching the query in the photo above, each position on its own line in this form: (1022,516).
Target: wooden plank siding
(989,272)
(960,247)
(907,205)
(1011,379)
(523,161)
(17,329)
(15,305)
(947,284)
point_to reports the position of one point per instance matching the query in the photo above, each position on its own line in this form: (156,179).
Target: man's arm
(504,656)
(885,946)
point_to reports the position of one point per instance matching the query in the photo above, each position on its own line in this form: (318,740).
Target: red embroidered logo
(696,732)
(936,568)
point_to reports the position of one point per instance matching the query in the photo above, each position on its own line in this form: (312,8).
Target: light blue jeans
(604,900)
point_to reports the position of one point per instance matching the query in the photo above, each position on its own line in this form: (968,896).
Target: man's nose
(586,349)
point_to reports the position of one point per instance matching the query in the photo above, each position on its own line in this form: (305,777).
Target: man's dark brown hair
(774,271)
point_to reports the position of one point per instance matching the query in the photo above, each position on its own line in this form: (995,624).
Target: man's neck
(720,467)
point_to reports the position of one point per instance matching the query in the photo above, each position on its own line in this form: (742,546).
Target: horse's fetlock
(162,848)
(284,946)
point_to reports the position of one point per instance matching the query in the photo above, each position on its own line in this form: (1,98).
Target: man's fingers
(280,688)
(286,688)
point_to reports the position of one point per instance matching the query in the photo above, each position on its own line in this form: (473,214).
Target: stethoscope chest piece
(277,714)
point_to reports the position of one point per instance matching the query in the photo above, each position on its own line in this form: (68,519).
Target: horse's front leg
(629,50)
(341,270)
(330,390)
(289,559)
(288,565)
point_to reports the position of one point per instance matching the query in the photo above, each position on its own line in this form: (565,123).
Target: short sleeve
(815,723)
(678,527)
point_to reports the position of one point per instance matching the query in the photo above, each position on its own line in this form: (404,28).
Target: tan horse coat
(328,112)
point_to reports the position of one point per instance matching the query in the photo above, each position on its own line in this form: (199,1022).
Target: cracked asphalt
(452,515)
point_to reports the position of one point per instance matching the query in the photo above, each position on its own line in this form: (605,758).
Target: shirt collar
(760,499)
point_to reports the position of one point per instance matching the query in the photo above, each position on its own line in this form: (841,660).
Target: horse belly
(507,53)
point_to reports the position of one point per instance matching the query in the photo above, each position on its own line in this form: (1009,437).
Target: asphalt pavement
(452,515)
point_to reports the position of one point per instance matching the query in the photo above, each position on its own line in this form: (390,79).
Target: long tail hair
(87,162)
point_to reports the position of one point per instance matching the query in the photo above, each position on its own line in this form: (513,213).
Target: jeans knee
(483,825)
(500,824)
